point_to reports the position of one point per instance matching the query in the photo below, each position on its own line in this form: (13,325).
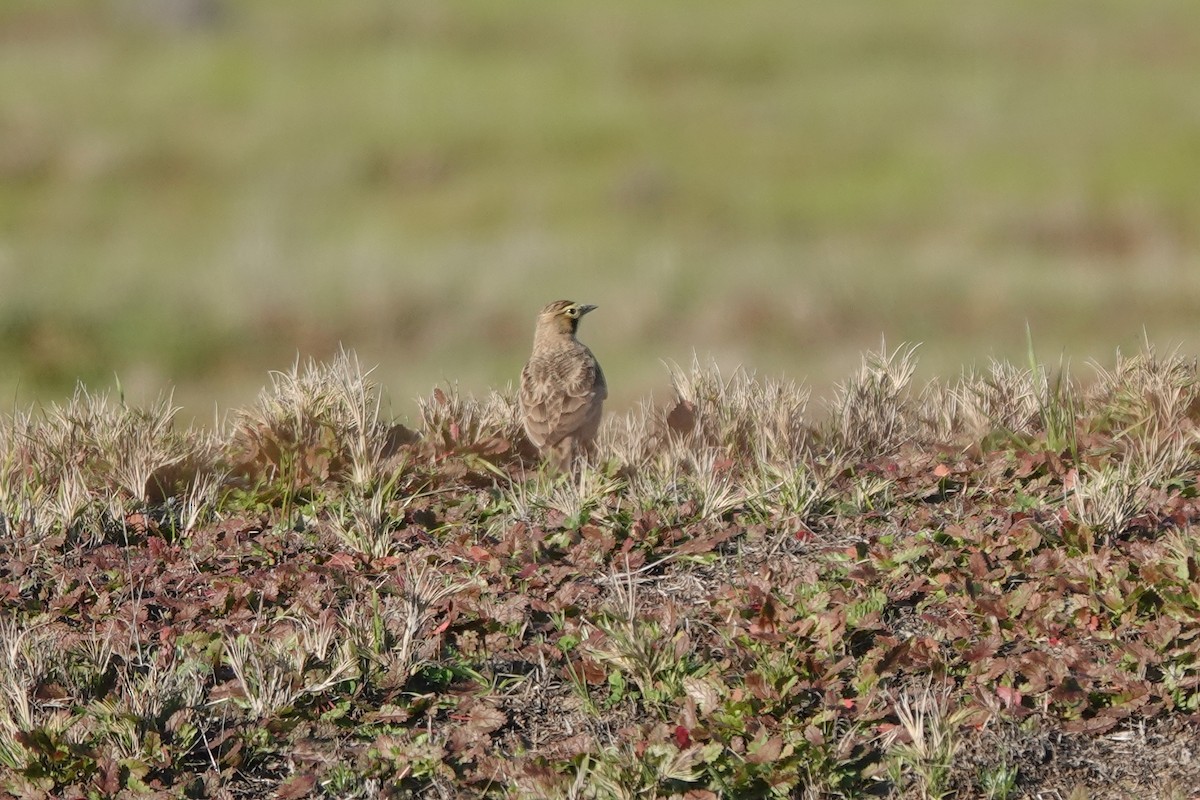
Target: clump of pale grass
(276,669)
(266,671)
(625,771)
(153,688)
(1017,401)
(579,498)
(356,409)
(451,420)
(70,467)
(1149,401)
(710,480)
(133,444)
(743,417)
(1109,497)
(22,493)
(683,474)
(318,422)
(197,502)
(363,523)
(323,424)
(723,440)
(295,413)
(1004,397)
(634,438)
(651,649)
(1161,459)
(1147,394)
(385,634)
(939,413)
(872,414)
(660,486)
(29,656)
(785,495)
(925,742)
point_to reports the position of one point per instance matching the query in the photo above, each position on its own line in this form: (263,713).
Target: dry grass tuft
(872,414)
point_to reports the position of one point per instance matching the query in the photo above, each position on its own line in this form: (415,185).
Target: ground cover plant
(981,587)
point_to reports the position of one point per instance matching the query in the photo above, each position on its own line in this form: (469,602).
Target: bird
(562,387)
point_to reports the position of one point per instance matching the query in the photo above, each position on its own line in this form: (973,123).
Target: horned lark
(562,386)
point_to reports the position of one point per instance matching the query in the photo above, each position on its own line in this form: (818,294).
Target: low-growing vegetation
(986,587)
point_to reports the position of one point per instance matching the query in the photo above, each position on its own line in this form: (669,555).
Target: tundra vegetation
(981,587)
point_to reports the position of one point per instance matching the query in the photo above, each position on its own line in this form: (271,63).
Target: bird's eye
(571,311)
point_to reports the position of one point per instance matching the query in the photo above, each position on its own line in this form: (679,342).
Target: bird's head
(562,316)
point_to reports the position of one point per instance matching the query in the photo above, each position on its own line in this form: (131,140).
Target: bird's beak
(585,309)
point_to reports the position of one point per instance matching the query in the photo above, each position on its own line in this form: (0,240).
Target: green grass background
(777,184)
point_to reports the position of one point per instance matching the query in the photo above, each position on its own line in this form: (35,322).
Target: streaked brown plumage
(562,387)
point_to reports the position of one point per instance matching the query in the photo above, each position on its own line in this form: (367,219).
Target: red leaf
(759,687)
(706,543)
(814,736)
(764,750)
(682,418)
(50,691)
(978,564)
(341,561)
(894,658)
(1070,480)
(109,779)
(764,624)
(1011,697)
(296,786)
(1093,725)
(682,738)
(491,446)
(592,672)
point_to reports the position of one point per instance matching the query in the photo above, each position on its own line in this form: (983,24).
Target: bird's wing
(559,406)
(600,383)
(584,391)
(540,412)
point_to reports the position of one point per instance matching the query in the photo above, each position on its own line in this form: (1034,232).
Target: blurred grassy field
(191,201)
